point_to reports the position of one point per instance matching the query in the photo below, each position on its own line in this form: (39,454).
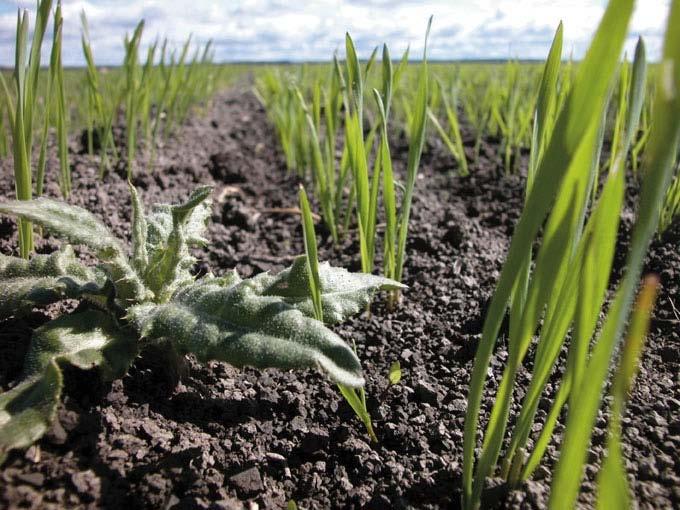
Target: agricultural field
(380,280)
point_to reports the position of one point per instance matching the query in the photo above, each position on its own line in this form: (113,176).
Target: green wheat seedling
(623,107)
(365,183)
(511,114)
(547,107)
(639,145)
(185,83)
(323,166)
(57,79)
(671,204)
(278,94)
(661,151)
(100,111)
(147,295)
(477,112)
(612,481)
(355,397)
(4,141)
(55,91)
(314,108)
(156,99)
(567,286)
(198,84)
(451,137)
(147,88)
(132,88)
(21,109)
(180,79)
(396,230)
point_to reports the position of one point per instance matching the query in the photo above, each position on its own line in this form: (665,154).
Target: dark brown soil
(227,438)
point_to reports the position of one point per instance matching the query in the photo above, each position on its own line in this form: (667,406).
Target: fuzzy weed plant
(148,295)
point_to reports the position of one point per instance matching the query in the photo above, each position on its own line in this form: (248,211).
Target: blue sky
(265,30)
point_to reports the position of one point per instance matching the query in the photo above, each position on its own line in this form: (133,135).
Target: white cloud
(264,30)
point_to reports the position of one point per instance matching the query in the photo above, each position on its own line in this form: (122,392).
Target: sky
(280,30)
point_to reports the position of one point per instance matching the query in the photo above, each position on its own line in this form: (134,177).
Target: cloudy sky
(267,30)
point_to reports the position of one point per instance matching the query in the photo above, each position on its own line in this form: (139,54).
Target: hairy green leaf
(86,340)
(82,227)
(140,257)
(343,294)
(265,321)
(59,263)
(44,279)
(171,231)
(27,410)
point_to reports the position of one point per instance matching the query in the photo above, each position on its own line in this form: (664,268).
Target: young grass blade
(442,133)
(387,80)
(450,105)
(22,168)
(42,16)
(42,158)
(319,169)
(369,63)
(636,93)
(613,490)
(355,398)
(312,257)
(131,68)
(359,166)
(661,153)
(594,268)
(417,132)
(403,64)
(546,104)
(356,87)
(587,95)
(389,201)
(552,264)
(62,135)
(581,299)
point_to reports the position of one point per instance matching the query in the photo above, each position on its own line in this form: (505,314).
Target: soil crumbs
(225,438)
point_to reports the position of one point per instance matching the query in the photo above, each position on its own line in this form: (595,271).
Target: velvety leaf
(171,231)
(234,321)
(87,340)
(27,410)
(74,223)
(82,227)
(44,279)
(140,257)
(59,263)
(343,294)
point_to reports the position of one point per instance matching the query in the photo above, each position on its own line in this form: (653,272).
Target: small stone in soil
(35,479)
(87,483)
(247,483)
(425,392)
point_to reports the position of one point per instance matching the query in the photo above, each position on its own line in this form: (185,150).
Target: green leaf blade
(80,226)
(28,409)
(89,339)
(343,294)
(243,325)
